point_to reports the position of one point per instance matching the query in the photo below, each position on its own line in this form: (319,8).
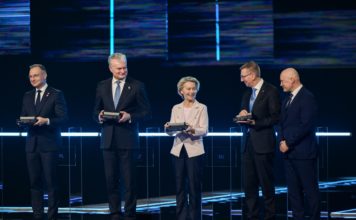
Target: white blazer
(199,120)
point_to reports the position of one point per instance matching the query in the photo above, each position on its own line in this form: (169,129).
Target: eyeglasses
(244,76)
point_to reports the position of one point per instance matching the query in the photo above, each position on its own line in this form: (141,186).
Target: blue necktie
(117,93)
(252,98)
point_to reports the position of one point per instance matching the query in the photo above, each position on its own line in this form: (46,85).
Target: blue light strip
(217,30)
(112,28)
(162,134)
(167,30)
(350,213)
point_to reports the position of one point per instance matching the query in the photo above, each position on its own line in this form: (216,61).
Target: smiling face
(248,77)
(118,68)
(189,91)
(37,77)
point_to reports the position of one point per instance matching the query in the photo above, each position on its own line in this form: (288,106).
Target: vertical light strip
(112,28)
(166,29)
(217,30)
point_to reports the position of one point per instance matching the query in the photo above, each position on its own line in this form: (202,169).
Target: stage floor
(338,202)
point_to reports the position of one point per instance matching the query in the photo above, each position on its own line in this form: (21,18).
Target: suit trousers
(43,164)
(258,171)
(119,165)
(302,179)
(188,177)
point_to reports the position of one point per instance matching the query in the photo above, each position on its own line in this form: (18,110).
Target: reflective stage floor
(338,201)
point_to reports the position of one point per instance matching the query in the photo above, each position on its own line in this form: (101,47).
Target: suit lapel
(125,92)
(260,95)
(109,93)
(194,111)
(295,99)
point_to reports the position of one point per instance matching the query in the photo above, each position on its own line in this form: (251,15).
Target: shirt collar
(258,86)
(43,88)
(115,80)
(295,92)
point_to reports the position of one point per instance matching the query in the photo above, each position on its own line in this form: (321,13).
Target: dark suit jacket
(297,126)
(53,106)
(134,101)
(265,112)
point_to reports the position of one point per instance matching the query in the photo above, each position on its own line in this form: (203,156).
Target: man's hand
(245,113)
(124,117)
(283,147)
(101,116)
(41,121)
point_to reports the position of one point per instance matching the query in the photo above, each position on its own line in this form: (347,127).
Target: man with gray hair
(127,98)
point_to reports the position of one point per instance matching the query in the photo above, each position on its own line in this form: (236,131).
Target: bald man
(298,145)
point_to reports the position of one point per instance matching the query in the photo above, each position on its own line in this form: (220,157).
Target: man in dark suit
(298,145)
(263,104)
(120,137)
(43,140)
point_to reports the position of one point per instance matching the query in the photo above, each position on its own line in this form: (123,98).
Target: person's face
(118,68)
(37,77)
(189,91)
(286,82)
(248,77)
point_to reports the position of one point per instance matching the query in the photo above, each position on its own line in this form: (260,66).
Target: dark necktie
(38,100)
(290,97)
(117,93)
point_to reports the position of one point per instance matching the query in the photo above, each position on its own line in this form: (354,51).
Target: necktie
(117,93)
(38,100)
(290,96)
(252,98)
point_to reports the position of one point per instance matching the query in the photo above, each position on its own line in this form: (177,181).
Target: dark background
(71,38)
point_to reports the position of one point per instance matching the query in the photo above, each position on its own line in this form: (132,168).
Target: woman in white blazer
(188,149)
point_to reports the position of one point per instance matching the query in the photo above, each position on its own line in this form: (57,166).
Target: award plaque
(26,120)
(112,116)
(176,127)
(237,119)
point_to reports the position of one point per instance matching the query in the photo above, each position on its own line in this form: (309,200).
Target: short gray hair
(117,56)
(185,79)
(42,67)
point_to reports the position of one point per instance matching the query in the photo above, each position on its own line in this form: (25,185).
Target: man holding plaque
(261,103)
(47,105)
(120,103)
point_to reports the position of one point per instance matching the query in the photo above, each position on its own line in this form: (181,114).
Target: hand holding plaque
(26,121)
(111,116)
(242,118)
(174,127)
